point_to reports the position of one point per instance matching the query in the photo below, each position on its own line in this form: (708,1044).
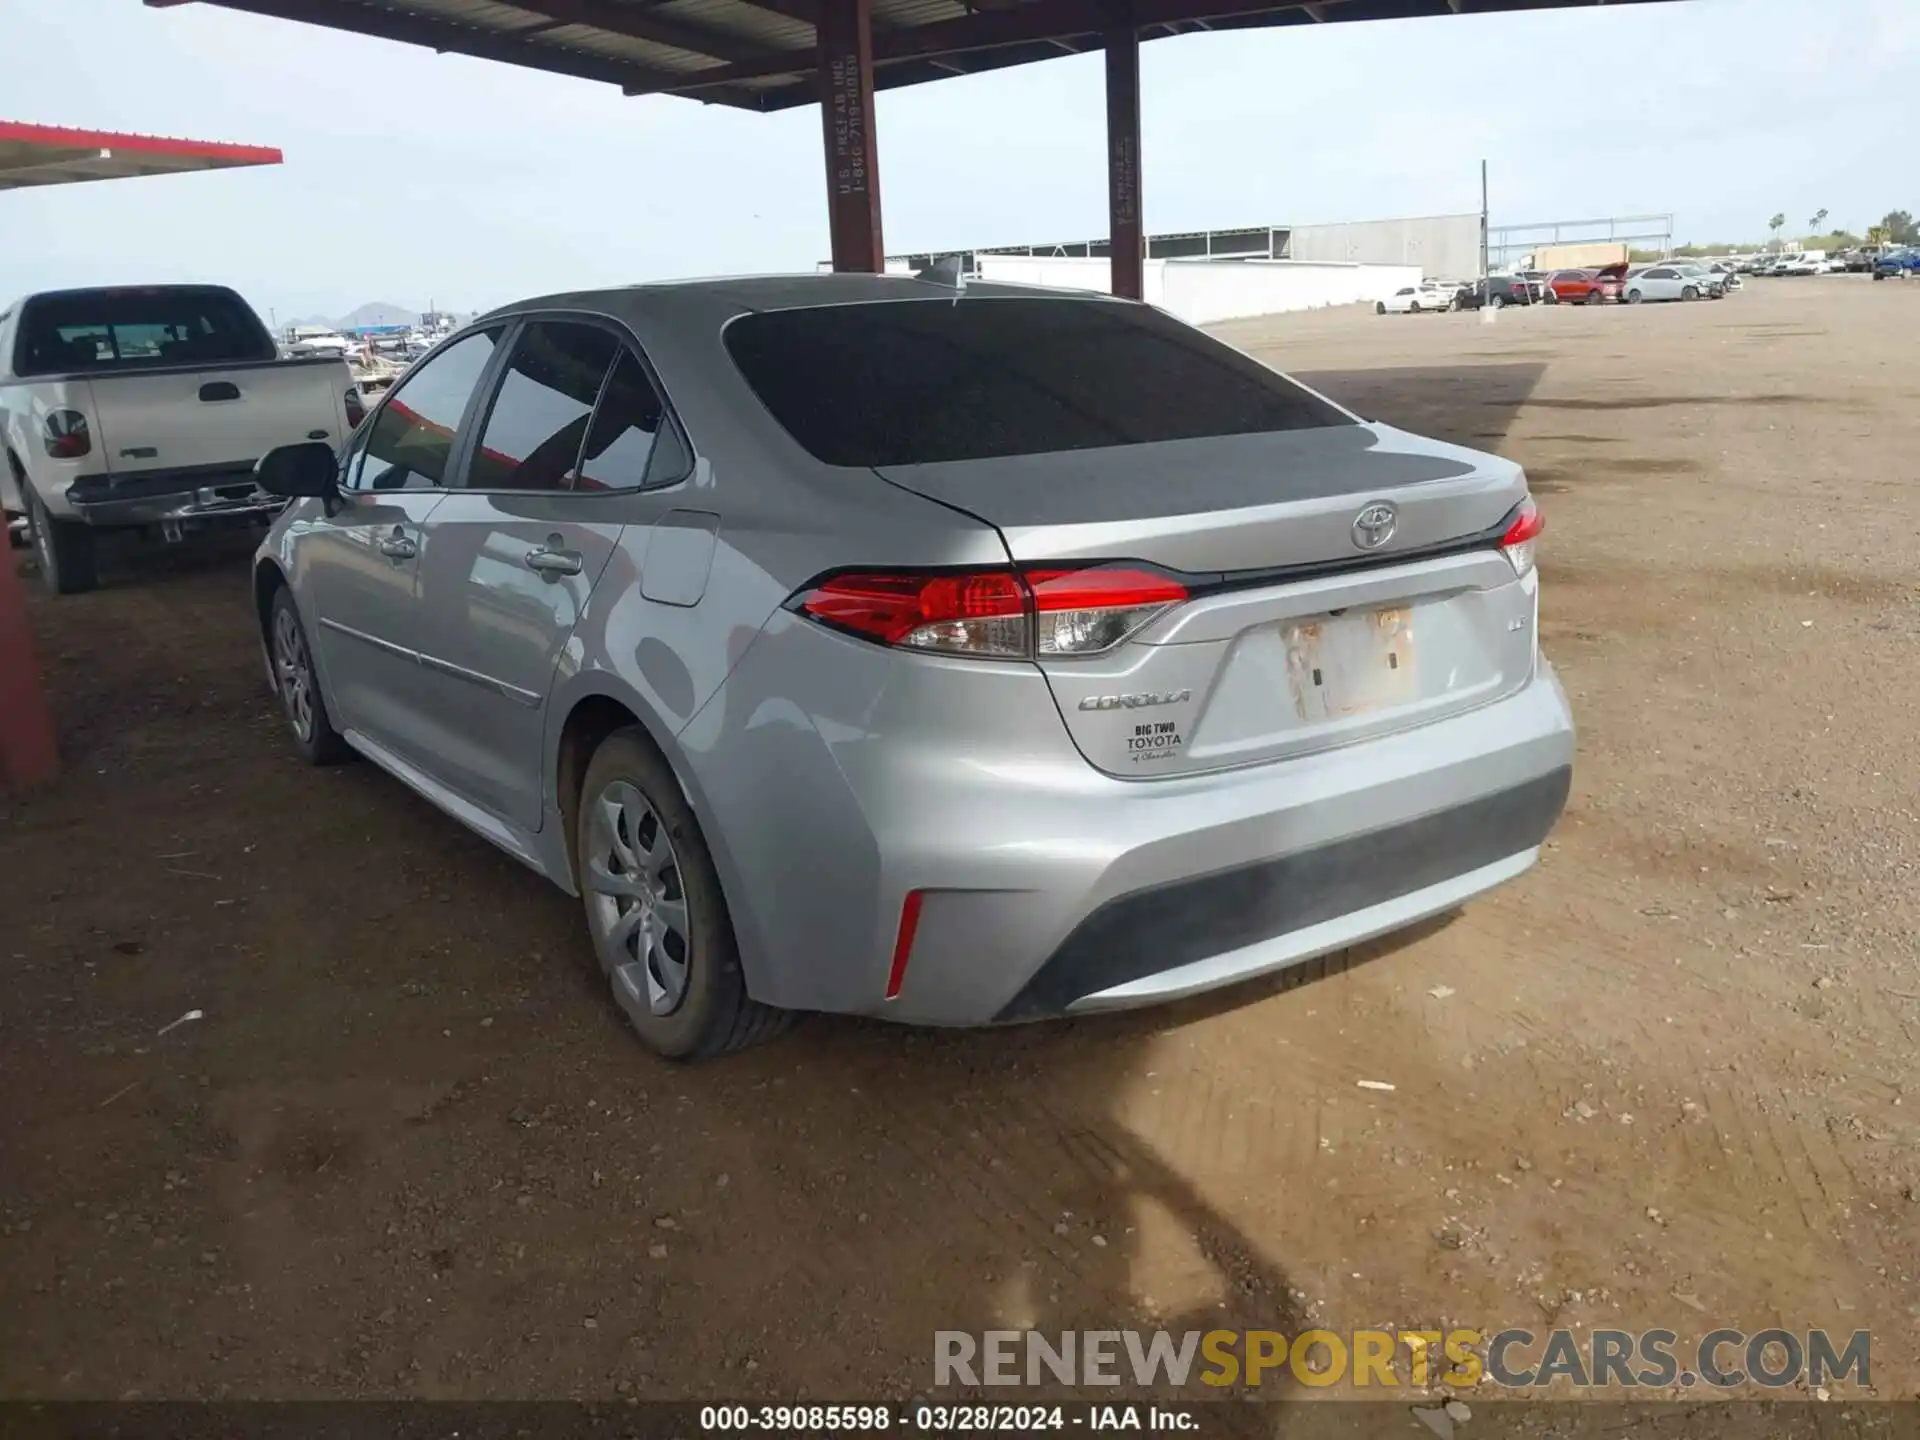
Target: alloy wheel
(636,903)
(293,669)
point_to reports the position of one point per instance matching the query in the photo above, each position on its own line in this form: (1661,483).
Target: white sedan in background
(1412,299)
(1662,282)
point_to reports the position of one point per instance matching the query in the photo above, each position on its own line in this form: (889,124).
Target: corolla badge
(1136,702)
(1374,526)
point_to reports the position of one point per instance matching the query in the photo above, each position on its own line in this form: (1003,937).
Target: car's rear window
(915,382)
(105,330)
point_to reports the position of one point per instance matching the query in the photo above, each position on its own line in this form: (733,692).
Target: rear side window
(408,447)
(540,414)
(633,442)
(108,330)
(914,382)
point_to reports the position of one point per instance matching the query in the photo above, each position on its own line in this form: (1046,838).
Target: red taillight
(67,436)
(1000,614)
(980,613)
(1517,543)
(1083,612)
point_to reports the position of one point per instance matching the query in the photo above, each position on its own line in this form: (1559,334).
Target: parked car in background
(1428,295)
(1900,263)
(1588,287)
(1728,275)
(1660,282)
(144,408)
(1710,285)
(1495,293)
(649,586)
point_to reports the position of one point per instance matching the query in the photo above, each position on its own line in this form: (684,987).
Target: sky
(416,178)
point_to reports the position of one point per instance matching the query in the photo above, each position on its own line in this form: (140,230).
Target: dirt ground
(409,1150)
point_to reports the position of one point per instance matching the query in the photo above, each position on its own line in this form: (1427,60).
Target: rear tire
(656,912)
(69,564)
(1634,297)
(297,682)
(1498,302)
(1379,307)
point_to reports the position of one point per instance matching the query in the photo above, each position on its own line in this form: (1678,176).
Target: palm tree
(1819,219)
(1775,225)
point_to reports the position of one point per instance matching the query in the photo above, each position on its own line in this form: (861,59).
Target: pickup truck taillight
(67,436)
(356,407)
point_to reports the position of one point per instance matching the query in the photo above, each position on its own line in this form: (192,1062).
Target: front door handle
(553,562)
(398,547)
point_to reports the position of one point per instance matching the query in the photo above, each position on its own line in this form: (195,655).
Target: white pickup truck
(143,408)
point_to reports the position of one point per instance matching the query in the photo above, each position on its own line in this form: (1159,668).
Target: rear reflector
(903,941)
(1517,543)
(995,614)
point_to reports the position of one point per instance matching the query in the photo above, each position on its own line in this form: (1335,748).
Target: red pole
(27,755)
(1126,238)
(845,32)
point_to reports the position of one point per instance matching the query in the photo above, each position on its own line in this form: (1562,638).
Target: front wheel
(1379,307)
(69,564)
(655,909)
(1689,292)
(297,683)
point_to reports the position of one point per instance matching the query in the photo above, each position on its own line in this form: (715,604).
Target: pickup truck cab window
(412,438)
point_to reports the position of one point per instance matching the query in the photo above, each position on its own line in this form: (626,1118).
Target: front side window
(412,440)
(539,418)
(913,382)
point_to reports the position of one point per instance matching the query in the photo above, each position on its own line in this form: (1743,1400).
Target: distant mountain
(377,313)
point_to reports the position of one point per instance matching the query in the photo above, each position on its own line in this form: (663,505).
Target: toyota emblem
(1374,526)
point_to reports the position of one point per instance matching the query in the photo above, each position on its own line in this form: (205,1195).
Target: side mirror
(296,471)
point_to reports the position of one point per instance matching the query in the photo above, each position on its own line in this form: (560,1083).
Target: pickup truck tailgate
(211,416)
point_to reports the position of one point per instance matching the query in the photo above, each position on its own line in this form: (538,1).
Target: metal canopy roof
(52,155)
(761,54)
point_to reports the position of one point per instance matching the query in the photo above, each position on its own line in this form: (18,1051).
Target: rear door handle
(554,562)
(215,390)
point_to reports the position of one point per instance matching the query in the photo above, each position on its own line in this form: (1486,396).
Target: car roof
(784,292)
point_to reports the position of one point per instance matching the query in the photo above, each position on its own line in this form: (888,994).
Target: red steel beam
(846,122)
(1125,229)
(27,754)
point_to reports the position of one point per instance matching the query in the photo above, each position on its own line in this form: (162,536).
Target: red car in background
(1588,287)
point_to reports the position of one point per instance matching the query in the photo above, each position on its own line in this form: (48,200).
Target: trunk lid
(1299,637)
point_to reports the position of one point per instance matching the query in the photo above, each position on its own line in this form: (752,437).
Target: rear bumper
(1130,894)
(1197,934)
(186,498)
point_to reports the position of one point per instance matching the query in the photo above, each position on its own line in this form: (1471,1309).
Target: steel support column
(1124,229)
(26,729)
(845,32)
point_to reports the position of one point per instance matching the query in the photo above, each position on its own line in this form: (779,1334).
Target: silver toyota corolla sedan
(864,644)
